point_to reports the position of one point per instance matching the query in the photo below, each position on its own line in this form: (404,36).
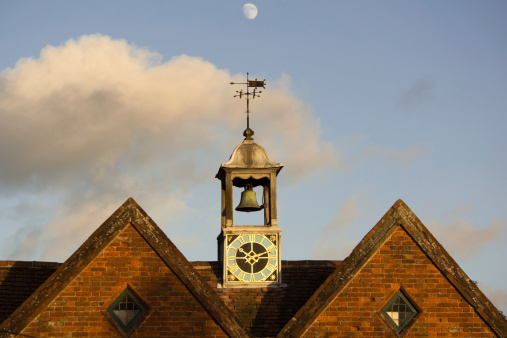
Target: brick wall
(399,263)
(79,310)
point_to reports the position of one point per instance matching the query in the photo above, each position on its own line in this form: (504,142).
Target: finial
(248,133)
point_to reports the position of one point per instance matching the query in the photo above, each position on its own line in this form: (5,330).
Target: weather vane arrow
(248,133)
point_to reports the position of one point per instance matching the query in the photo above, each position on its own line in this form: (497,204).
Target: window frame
(408,320)
(135,320)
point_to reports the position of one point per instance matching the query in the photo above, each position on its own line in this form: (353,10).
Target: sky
(366,102)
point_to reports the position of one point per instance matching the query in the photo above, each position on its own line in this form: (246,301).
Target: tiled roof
(266,310)
(18,280)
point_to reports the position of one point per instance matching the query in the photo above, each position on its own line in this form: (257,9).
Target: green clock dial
(252,258)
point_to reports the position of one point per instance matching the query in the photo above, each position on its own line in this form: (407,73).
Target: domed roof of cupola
(249,154)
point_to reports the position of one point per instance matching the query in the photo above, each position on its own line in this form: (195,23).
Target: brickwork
(265,311)
(399,262)
(318,298)
(79,310)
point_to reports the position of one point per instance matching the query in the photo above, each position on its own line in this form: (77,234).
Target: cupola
(250,254)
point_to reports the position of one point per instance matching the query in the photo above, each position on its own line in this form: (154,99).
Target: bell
(248,200)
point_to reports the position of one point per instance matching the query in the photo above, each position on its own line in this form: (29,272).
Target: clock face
(252,258)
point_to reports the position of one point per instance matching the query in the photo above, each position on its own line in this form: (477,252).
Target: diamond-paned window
(399,312)
(126,310)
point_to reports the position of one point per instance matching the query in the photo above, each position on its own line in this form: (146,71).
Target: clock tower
(250,254)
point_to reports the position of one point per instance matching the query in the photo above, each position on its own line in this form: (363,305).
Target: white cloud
(497,296)
(382,155)
(335,244)
(96,120)
(405,156)
(461,238)
(464,239)
(337,249)
(347,214)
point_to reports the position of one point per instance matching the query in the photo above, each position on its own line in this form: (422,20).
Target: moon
(250,11)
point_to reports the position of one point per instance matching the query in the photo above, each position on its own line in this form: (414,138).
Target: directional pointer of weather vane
(248,133)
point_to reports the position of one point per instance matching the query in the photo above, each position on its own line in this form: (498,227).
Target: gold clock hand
(247,257)
(256,257)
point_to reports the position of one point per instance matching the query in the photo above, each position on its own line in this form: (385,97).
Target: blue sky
(367,102)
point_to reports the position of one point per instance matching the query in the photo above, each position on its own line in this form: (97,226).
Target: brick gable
(400,262)
(345,276)
(79,308)
(124,263)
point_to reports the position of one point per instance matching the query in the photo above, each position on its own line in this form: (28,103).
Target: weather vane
(248,133)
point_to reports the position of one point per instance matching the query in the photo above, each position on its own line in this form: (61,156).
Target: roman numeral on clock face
(233,268)
(271,267)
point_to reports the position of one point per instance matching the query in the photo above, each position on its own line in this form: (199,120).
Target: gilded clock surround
(252,258)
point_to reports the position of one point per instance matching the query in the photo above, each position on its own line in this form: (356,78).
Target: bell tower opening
(248,203)
(251,170)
